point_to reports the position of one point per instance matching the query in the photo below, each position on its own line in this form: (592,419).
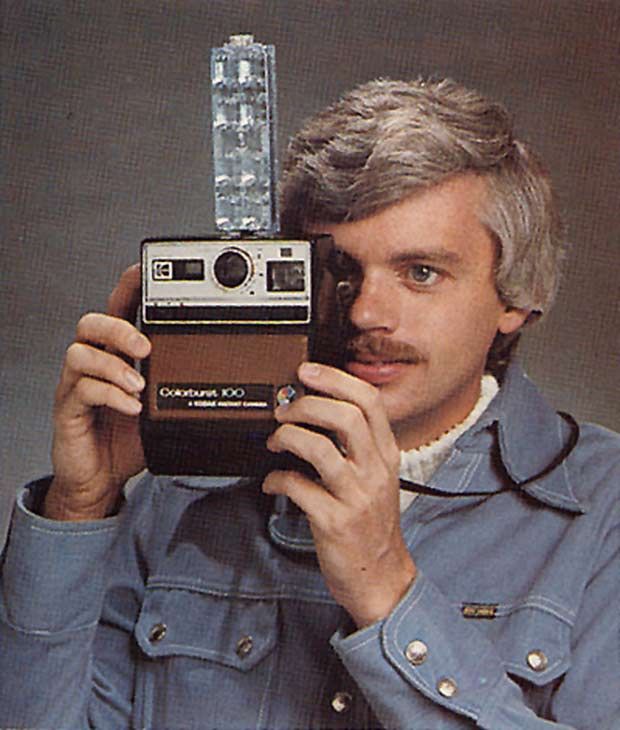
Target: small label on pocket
(479,610)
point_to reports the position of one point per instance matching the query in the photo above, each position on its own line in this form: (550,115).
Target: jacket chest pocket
(533,643)
(201,654)
(236,632)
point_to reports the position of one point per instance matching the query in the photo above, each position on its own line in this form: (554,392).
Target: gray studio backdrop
(105,141)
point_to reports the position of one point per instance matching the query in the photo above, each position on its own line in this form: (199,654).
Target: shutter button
(537,660)
(157,633)
(341,702)
(244,646)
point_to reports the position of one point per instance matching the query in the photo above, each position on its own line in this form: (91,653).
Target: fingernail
(271,446)
(280,410)
(135,380)
(135,406)
(309,370)
(140,343)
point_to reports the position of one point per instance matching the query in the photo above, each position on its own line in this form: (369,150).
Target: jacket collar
(534,441)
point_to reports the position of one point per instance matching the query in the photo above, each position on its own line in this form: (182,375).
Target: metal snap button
(341,702)
(416,652)
(537,660)
(157,632)
(244,646)
(447,687)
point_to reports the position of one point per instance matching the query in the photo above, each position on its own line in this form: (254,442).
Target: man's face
(426,310)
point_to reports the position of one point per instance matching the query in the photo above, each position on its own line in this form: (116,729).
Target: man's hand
(354,512)
(96,445)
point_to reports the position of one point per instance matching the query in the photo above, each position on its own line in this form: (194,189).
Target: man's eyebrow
(433,256)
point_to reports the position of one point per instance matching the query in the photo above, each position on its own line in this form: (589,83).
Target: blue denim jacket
(201,604)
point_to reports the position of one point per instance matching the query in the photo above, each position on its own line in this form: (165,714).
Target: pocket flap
(236,632)
(535,644)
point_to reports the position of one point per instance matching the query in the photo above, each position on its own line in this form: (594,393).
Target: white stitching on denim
(263,704)
(285,539)
(553,496)
(376,636)
(79,533)
(362,644)
(294,593)
(301,544)
(541,603)
(43,633)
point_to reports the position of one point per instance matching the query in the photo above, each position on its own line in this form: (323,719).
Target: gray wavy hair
(386,139)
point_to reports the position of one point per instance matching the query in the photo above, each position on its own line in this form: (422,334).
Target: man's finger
(343,386)
(89,393)
(318,450)
(315,501)
(83,359)
(125,297)
(113,333)
(345,420)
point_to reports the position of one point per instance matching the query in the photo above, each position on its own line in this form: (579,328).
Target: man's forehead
(440,224)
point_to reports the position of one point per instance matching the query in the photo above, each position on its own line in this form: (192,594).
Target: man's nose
(375,304)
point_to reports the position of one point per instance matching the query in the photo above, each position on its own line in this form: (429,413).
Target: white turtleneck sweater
(419,465)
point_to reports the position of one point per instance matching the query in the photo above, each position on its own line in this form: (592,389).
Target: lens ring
(232,268)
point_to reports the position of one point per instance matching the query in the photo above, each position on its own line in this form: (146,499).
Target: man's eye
(424,275)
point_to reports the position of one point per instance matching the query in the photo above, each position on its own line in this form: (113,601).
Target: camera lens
(231,269)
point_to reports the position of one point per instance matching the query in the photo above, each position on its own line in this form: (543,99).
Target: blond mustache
(383,348)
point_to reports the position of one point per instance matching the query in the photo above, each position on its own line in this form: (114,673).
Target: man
(486,598)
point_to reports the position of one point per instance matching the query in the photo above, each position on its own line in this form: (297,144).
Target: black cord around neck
(410,486)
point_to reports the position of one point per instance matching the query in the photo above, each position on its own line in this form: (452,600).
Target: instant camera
(231,317)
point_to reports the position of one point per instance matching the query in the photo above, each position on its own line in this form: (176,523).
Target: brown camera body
(229,321)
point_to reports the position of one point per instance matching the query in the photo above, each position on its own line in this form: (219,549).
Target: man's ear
(512,319)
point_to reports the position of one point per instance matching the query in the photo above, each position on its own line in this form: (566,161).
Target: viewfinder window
(286,276)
